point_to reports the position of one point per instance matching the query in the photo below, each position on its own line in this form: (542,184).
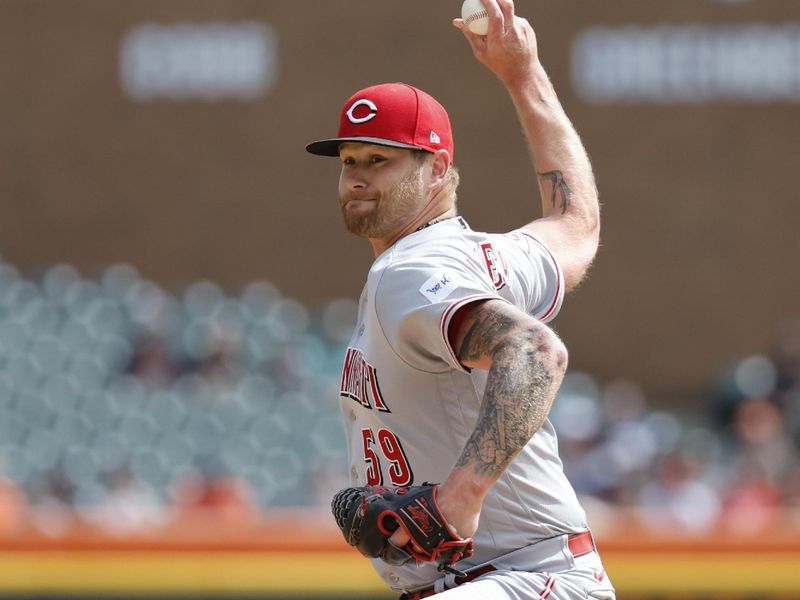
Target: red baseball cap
(391,114)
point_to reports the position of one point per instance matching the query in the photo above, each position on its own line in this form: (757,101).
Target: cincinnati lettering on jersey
(360,382)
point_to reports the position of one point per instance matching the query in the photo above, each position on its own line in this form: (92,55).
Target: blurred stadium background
(176,289)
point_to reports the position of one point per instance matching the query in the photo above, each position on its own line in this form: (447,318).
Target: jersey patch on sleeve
(495,265)
(439,286)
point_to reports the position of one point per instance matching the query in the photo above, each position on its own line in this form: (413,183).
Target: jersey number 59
(389,447)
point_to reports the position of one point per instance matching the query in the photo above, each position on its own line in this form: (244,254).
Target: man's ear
(439,166)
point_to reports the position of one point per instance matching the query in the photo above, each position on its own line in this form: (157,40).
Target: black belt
(578,544)
(468,576)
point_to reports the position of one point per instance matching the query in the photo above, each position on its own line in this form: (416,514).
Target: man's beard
(391,211)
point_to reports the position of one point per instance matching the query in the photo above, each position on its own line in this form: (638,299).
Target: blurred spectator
(52,499)
(221,365)
(623,400)
(54,488)
(786,356)
(678,500)
(221,495)
(761,438)
(129,506)
(607,445)
(13,507)
(762,455)
(791,490)
(753,501)
(153,362)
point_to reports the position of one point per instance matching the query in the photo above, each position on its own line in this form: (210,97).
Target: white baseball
(475,16)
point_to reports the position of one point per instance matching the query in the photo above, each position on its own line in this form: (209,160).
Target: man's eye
(347,161)
(377,159)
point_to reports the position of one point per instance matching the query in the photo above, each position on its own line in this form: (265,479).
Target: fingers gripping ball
(369,515)
(475,16)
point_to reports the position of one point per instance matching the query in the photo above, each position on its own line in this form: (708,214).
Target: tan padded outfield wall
(696,145)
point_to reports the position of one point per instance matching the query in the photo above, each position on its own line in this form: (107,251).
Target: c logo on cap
(373,111)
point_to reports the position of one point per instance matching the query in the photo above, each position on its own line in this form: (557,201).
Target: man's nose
(354,179)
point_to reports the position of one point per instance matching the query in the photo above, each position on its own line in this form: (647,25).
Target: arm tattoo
(556,178)
(520,388)
(489,324)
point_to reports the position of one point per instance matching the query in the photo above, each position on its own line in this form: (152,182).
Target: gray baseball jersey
(409,406)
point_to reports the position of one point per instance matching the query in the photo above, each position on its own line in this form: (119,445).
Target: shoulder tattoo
(487,325)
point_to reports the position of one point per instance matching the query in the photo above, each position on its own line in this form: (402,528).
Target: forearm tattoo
(560,188)
(520,388)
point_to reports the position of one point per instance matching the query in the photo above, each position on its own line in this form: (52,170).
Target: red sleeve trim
(447,317)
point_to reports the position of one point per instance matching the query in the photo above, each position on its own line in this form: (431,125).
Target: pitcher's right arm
(570,222)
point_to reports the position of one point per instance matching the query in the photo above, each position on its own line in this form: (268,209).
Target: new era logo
(435,139)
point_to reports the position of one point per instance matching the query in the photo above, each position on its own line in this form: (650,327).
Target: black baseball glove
(369,515)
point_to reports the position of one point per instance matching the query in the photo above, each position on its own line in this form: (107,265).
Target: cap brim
(331,147)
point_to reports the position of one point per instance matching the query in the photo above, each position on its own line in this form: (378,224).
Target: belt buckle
(457,581)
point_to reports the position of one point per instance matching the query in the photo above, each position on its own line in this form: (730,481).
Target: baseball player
(451,370)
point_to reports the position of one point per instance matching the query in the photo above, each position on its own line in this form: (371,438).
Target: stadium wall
(300,554)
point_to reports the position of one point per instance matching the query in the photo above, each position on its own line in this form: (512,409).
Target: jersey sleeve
(415,303)
(538,281)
